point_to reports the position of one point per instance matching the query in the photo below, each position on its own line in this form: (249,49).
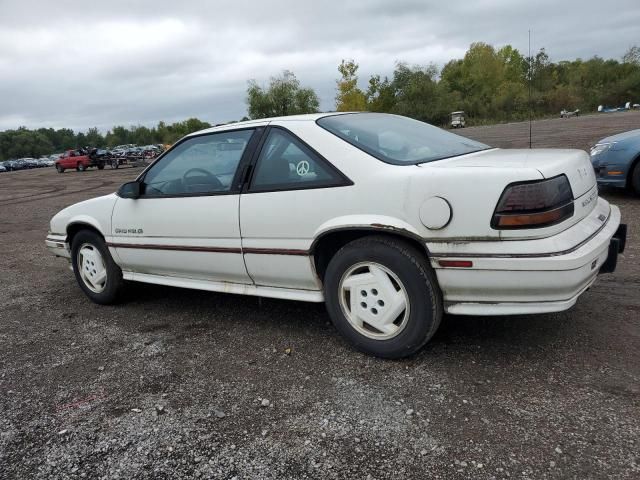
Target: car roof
(307,117)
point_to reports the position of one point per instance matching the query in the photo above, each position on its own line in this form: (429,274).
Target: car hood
(620,136)
(549,162)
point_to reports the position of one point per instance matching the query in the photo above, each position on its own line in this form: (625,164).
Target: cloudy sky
(79,64)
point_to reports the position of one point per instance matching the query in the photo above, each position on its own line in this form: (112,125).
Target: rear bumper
(529,279)
(57,244)
(616,247)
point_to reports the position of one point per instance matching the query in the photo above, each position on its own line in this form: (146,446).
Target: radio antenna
(530,79)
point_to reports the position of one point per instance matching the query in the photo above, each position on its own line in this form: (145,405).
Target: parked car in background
(43,162)
(74,159)
(10,165)
(616,161)
(124,146)
(133,153)
(149,152)
(31,162)
(98,154)
(21,164)
(390,221)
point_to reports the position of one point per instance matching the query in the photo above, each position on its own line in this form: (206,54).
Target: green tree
(283,96)
(349,97)
(418,93)
(94,137)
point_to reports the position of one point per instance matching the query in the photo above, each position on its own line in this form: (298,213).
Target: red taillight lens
(534,204)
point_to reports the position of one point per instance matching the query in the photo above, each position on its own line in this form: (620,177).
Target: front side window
(398,140)
(287,163)
(198,166)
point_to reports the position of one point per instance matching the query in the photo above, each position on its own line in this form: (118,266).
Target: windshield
(398,140)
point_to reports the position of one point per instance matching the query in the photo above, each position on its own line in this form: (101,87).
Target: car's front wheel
(383,296)
(635,179)
(59,168)
(80,167)
(97,274)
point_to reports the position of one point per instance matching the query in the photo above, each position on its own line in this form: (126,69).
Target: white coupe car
(390,221)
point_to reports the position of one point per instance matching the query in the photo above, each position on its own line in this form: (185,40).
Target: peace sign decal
(302,167)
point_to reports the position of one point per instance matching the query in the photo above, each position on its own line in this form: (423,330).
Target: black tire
(59,168)
(80,167)
(114,282)
(101,166)
(115,163)
(635,179)
(418,279)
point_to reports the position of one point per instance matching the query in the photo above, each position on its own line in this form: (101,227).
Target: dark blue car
(616,160)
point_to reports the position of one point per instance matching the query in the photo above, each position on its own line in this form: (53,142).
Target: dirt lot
(170,383)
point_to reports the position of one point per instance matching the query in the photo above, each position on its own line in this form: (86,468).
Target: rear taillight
(534,204)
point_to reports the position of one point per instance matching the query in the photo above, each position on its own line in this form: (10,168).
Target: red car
(78,160)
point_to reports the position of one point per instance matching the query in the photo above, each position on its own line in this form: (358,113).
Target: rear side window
(286,163)
(398,140)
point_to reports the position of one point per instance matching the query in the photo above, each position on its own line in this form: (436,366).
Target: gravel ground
(184,384)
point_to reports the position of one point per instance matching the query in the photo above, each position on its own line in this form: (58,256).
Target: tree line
(489,84)
(23,142)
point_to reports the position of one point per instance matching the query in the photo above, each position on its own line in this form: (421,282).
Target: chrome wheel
(374,300)
(91,267)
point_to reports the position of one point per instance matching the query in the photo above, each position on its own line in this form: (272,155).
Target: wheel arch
(635,163)
(327,244)
(76,226)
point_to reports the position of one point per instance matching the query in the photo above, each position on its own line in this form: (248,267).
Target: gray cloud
(83,64)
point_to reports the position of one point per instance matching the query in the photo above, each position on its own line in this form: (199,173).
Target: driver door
(186,221)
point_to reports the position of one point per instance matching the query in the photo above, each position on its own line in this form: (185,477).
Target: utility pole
(530,80)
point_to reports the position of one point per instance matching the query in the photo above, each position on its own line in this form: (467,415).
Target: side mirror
(129,190)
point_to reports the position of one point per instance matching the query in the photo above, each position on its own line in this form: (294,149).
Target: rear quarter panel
(382,195)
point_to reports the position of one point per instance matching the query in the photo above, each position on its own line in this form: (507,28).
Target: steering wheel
(211,179)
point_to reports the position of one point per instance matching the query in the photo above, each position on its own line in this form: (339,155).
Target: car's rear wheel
(101,166)
(97,274)
(80,167)
(115,163)
(59,169)
(383,296)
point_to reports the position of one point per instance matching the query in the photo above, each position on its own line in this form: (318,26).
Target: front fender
(90,221)
(95,213)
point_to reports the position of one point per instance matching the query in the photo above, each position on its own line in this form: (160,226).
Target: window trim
(339,179)
(236,182)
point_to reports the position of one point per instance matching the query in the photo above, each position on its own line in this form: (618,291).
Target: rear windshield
(398,140)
